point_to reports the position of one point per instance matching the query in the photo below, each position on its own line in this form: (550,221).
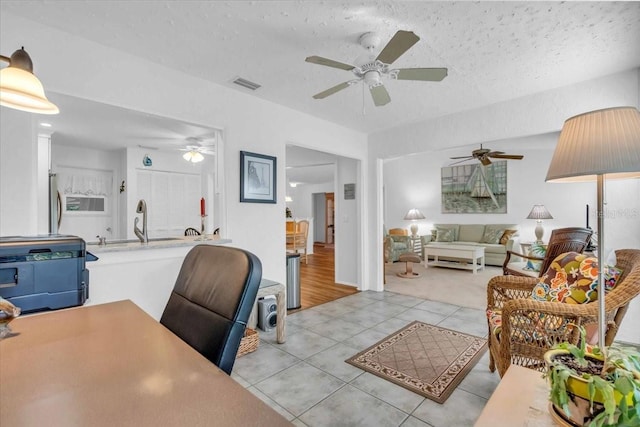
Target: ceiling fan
(372,69)
(196,148)
(483,155)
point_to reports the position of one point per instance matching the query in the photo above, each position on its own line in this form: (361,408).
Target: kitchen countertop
(160,243)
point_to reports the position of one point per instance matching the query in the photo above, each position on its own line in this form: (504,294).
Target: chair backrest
(191,232)
(570,239)
(398,232)
(212,299)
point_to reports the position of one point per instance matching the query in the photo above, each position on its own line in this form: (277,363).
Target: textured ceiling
(494,50)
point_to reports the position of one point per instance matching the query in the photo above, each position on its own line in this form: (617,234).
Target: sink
(121,242)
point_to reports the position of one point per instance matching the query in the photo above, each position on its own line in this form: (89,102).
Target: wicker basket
(249,342)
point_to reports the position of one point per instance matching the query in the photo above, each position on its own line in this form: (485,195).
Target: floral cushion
(573,278)
(445,235)
(537,250)
(492,234)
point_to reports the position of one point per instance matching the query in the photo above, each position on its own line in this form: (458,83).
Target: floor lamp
(591,146)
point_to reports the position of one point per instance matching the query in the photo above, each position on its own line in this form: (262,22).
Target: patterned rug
(425,359)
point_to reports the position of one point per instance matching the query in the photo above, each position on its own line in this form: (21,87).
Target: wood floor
(317,284)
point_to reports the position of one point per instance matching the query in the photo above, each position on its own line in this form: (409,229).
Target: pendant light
(20,88)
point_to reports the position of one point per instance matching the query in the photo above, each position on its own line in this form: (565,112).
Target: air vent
(246,83)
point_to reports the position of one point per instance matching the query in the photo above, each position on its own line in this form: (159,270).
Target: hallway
(317,284)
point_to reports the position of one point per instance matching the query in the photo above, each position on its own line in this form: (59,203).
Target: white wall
(18,174)
(346,224)
(106,75)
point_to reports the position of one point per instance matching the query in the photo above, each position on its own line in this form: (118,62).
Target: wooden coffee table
(475,254)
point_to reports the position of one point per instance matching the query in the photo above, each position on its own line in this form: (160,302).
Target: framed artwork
(474,188)
(257,178)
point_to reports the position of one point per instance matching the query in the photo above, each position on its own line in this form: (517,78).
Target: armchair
(570,239)
(399,243)
(527,328)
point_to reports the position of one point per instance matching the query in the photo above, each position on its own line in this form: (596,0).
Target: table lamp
(414,215)
(590,146)
(539,212)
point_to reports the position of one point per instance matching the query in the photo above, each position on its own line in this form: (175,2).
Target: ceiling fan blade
(507,156)
(423,74)
(493,153)
(399,44)
(461,157)
(332,90)
(380,95)
(460,161)
(329,63)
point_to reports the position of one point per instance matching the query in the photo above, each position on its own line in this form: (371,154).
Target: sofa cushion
(506,236)
(445,235)
(454,227)
(492,233)
(494,248)
(470,232)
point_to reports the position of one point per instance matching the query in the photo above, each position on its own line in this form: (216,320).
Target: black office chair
(191,232)
(212,300)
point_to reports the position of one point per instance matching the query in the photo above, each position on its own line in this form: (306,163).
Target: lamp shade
(539,212)
(601,142)
(414,214)
(20,88)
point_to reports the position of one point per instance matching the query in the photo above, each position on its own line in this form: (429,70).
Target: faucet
(142,234)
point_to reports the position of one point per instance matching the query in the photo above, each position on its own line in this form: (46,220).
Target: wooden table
(521,399)
(471,253)
(114,365)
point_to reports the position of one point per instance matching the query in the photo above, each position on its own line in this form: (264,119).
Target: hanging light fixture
(193,156)
(20,88)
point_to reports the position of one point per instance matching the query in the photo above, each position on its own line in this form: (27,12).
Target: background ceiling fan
(197,147)
(483,155)
(372,69)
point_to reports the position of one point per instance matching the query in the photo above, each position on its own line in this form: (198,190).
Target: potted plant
(589,389)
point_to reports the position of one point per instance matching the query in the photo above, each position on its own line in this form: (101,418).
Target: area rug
(425,359)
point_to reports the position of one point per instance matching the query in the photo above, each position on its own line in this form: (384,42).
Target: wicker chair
(511,295)
(571,239)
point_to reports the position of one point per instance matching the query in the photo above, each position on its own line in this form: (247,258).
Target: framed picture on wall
(474,188)
(257,178)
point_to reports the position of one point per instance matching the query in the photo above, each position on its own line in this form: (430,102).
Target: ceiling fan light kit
(373,69)
(193,156)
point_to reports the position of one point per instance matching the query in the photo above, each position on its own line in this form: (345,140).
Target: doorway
(329,214)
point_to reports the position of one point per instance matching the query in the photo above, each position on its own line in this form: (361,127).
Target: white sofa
(486,235)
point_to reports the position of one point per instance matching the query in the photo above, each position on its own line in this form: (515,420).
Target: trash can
(293,281)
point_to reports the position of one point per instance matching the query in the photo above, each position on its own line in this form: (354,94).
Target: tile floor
(308,381)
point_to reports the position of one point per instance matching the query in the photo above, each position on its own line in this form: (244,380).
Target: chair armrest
(501,289)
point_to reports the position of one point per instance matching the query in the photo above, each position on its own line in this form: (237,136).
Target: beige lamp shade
(539,212)
(602,142)
(20,88)
(414,214)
